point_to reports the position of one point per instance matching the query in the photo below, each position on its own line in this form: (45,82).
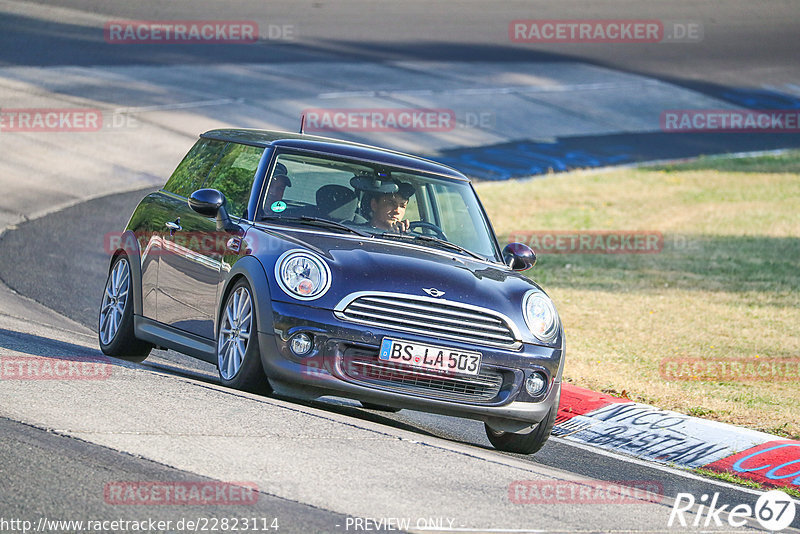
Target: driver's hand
(402,226)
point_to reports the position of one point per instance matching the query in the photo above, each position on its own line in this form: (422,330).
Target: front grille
(365,367)
(430,317)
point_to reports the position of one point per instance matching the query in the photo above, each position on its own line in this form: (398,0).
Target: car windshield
(385,202)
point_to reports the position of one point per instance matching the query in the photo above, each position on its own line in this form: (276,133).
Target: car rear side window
(233,176)
(192,171)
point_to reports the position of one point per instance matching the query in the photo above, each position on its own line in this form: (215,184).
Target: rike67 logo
(773,510)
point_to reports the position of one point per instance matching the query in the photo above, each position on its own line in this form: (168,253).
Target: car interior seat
(336,202)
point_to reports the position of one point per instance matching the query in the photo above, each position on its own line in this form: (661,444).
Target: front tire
(115,323)
(238,354)
(527,443)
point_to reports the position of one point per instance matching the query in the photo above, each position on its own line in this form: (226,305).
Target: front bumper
(344,362)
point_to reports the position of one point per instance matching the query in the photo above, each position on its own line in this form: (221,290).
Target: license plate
(442,359)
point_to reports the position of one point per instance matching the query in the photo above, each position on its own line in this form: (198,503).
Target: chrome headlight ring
(302,275)
(540,315)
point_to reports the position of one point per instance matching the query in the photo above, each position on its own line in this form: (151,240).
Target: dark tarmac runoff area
(77,475)
(741,54)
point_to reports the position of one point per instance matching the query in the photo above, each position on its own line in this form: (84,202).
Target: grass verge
(728,477)
(733,479)
(725,285)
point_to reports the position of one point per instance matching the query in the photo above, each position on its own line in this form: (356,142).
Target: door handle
(234,244)
(174,226)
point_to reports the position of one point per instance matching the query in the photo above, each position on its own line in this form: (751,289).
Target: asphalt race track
(80,256)
(316,466)
(741,59)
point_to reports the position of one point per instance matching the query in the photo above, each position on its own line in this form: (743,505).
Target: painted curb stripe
(775,463)
(663,436)
(579,401)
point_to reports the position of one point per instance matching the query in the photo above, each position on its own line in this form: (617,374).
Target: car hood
(373,264)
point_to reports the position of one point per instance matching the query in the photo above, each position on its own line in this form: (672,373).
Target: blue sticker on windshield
(278,206)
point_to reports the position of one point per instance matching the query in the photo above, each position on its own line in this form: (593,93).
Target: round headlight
(540,315)
(302,275)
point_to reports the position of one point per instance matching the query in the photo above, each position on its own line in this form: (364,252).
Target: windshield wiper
(434,240)
(316,221)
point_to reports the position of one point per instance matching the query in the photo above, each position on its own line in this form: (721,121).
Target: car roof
(271,138)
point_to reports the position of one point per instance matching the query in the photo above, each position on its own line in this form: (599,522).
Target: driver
(388,209)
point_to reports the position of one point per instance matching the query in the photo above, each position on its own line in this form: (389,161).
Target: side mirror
(211,203)
(207,202)
(519,256)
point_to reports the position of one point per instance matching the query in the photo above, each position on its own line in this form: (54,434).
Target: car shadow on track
(172,370)
(356,412)
(328,404)
(34,345)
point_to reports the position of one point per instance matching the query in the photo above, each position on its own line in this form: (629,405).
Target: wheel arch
(252,270)
(129,246)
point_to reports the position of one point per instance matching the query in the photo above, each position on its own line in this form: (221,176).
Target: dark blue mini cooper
(311,267)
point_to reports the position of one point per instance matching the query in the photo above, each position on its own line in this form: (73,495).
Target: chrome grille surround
(364,367)
(432,317)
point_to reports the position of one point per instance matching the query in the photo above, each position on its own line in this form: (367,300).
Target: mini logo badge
(433,292)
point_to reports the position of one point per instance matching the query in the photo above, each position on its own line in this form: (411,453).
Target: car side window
(192,171)
(456,219)
(233,175)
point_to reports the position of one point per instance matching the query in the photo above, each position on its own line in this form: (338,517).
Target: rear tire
(115,322)
(238,354)
(527,443)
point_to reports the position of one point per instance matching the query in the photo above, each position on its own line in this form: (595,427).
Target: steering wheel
(428,226)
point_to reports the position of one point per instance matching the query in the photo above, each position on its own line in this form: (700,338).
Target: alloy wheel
(114,300)
(234,334)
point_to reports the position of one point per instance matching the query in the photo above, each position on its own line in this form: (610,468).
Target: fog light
(535,384)
(301,344)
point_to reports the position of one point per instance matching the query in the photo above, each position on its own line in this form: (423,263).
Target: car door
(158,210)
(190,267)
